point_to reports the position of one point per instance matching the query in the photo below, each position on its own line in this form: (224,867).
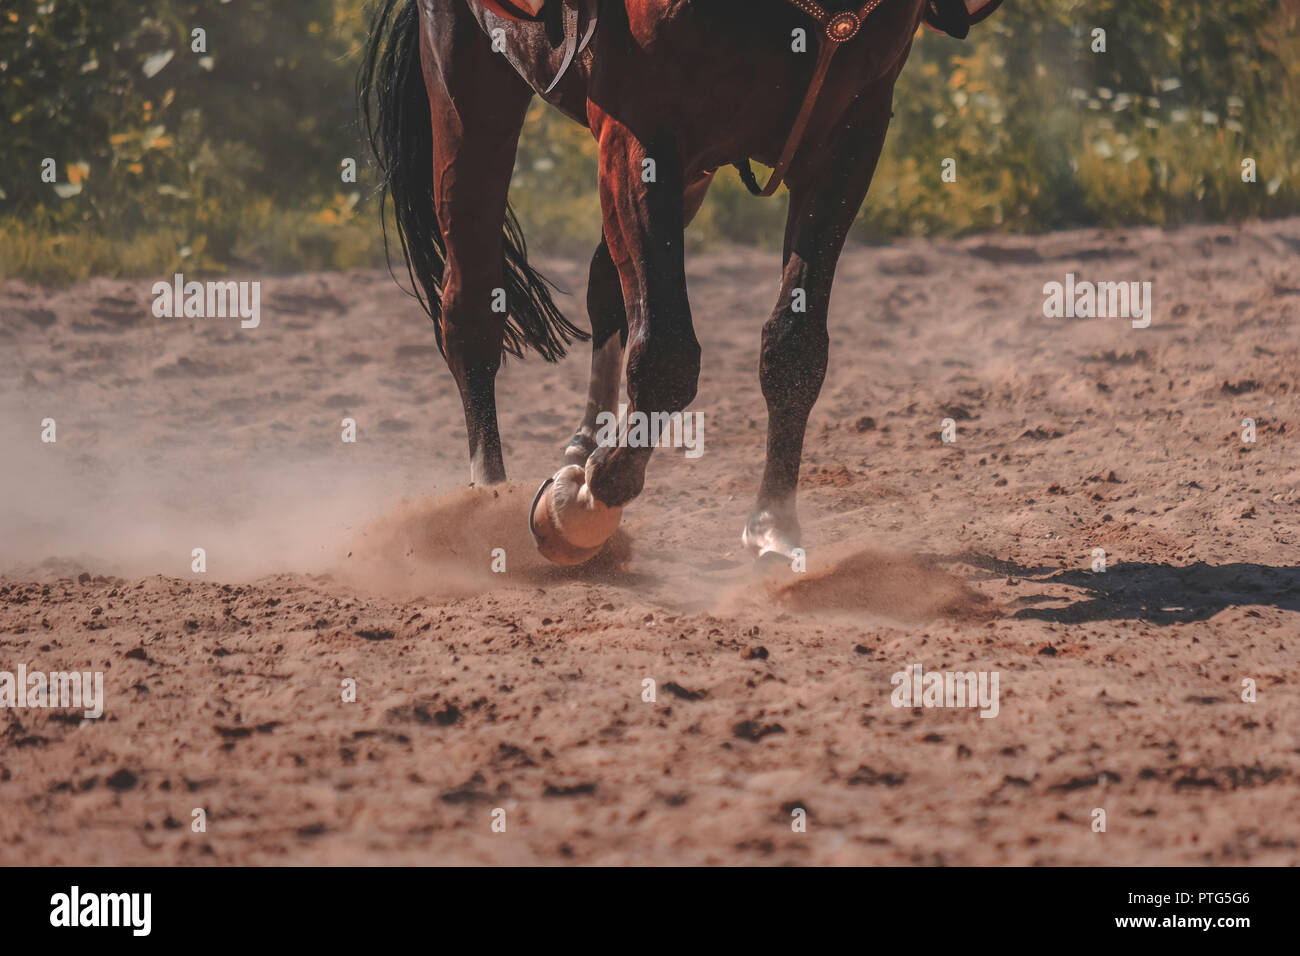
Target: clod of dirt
(865,776)
(468,792)
(445,717)
(1240,388)
(751,730)
(122,780)
(1041,434)
(577,790)
(680,692)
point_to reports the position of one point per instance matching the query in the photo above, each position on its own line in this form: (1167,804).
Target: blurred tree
(166,124)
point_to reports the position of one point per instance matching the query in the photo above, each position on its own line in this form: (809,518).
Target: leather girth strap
(580,17)
(836,30)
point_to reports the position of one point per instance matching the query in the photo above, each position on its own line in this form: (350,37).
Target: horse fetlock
(616,475)
(579,449)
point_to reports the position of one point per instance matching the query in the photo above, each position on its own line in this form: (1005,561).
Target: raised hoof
(768,538)
(569,526)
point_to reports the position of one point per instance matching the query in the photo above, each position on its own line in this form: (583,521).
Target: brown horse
(672,90)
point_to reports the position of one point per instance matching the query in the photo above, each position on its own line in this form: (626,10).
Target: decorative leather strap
(837,29)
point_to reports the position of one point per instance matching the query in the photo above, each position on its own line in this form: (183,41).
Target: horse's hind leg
(792,365)
(477,105)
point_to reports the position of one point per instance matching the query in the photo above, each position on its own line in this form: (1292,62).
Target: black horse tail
(395,117)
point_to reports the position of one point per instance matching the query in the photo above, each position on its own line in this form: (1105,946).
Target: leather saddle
(569,24)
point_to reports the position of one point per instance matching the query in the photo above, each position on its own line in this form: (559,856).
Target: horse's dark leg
(477,105)
(609,316)
(824,200)
(608,336)
(644,223)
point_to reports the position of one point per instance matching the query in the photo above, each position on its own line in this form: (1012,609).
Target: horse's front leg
(824,200)
(609,336)
(645,203)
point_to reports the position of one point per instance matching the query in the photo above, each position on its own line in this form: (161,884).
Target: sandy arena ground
(326,561)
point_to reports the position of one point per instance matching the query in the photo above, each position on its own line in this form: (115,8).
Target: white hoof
(569,525)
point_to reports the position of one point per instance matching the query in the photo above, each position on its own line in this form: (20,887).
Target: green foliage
(1047,133)
(167,156)
(174,154)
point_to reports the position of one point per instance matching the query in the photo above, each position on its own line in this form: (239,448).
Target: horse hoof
(764,536)
(569,526)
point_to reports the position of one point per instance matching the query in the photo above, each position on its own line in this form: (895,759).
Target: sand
(520,695)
